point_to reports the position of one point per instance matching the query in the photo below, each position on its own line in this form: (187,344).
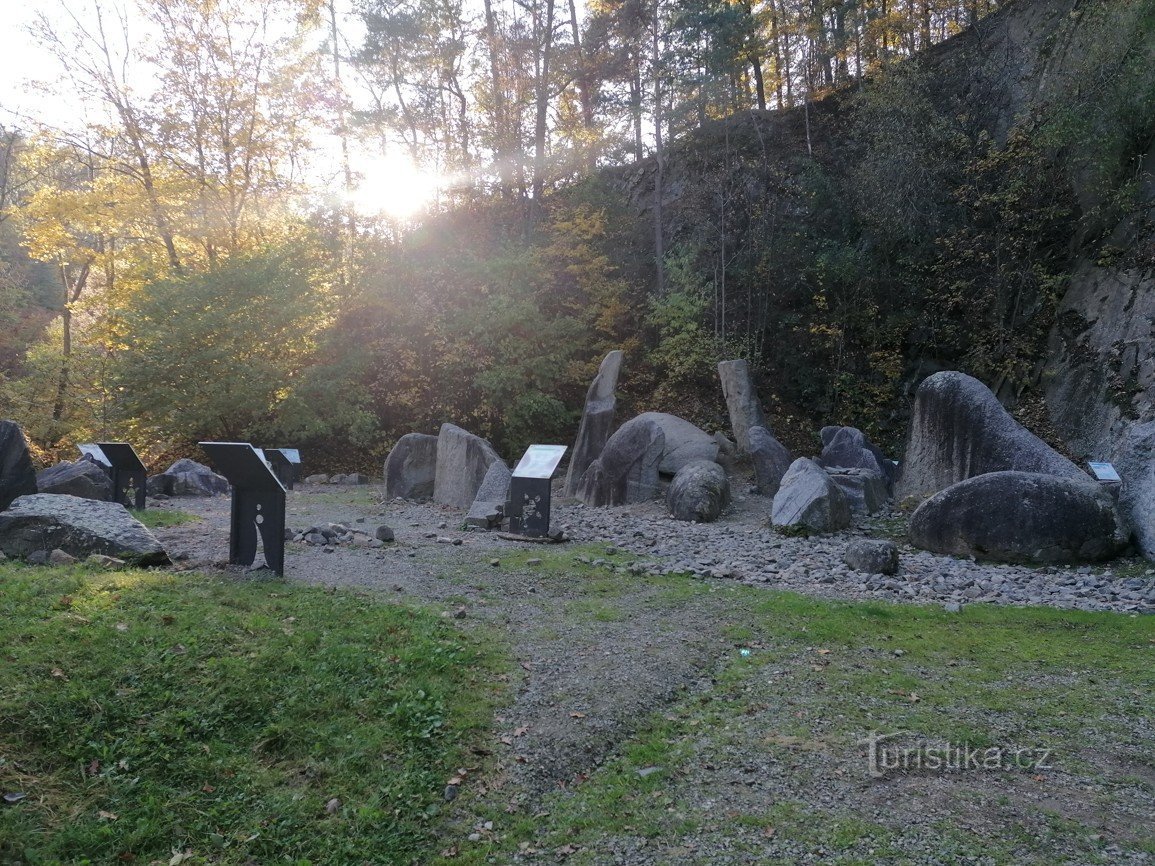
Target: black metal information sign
(258,508)
(285,462)
(120,461)
(529,490)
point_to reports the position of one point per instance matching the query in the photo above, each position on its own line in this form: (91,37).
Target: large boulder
(741,400)
(1134,457)
(848,447)
(808,499)
(1021,517)
(462,461)
(627,470)
(771,459)
(872,556)
(684,442)
(80,527)
(17,477)
(411,467)
(84,478)
(958,429)
(488,506)
(700,491)
(597,420)
(866,491)
(187,478)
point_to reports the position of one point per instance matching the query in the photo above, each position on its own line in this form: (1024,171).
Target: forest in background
(176,271)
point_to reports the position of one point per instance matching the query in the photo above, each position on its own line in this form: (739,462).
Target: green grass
(819,676)
(157,518)
(143,713)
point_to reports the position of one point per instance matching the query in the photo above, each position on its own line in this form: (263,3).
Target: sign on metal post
(120,462)
(286,463)
(529,490)
(258,505)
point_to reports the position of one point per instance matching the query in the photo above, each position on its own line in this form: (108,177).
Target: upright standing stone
(17,477)
(488,506)
(627,471)
(462,461)
(958,430)
(771,460)
(411,467)
(741,400)
(808,498)
(597,420)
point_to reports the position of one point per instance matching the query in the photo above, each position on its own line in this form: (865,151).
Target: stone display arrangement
(462,462)
(17,477)
(848,448)
(627,470)
(741,400)
(684,442)
(186,477)
(597,420)
(411,467)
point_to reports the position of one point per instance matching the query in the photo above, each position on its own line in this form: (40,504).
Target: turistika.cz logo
(885,755)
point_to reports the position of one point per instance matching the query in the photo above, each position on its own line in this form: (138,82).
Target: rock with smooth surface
(84,478)
(411,467)
(462,461)
(959,430)
(17,477)
(771,459)
(699,492)
(808,499)
(488,508)
(741,401)
(872,556)
(684,442)
(866,491)
(627,470)
(848,448)
(1134,458)
(597,420)
(80,527)
(1021,517)
(188,478)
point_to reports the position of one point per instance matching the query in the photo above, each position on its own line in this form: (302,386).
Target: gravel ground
(591,672)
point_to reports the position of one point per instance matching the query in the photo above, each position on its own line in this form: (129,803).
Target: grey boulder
(17,477)
(699,492)
(848,447)
(462,461)
(1021,517)
(627,470)
(866,491)
(872,556)
(597,420)
(45,522)
(771,459)
(84,478)
(411,467)
(741,400)
(808,499)
(684,441)
(958,430)
(488,506)
(188,478)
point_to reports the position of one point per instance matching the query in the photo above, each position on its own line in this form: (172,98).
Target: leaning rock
(411,467)
(84,478)
(771,460)
(627,471)
(958,430)
(741,401)
(462,461)
(808,498)
(849,448)
(865,490)
(1021,517)
(17,478)
(188,478)
(488,506)
(700,491)
(872,556)
(79,527)
(597,420)
(684,442)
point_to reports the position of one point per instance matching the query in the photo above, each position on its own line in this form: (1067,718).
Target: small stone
(456,541)
(442,539)
(450,793)
(495,562)
(952,607)
(459,613)
(384,533)
(648,771)
(534,561)
(59,557)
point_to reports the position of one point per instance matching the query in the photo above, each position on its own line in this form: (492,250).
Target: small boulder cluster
(330,535)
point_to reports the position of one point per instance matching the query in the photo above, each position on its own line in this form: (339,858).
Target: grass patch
(144,713)
(158,518)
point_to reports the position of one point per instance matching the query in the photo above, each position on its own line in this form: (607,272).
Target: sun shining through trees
(393,186)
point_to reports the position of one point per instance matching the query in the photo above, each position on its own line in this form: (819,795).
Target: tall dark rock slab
(741,400)
(597,420)
(17,477)
(462,463)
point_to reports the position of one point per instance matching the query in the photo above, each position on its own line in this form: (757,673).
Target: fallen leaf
(522,731)
(122,626)
(824,652)
(59,674)
(507,740)
(65,601)
(208,789)
(179,650)
(450,852)
(565,850)
(106,816)
(577,715)
(168,619)
(455,780)
(93,768)
(527,666)
(332,806)
(914,698)
(14,797)
(768,832)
